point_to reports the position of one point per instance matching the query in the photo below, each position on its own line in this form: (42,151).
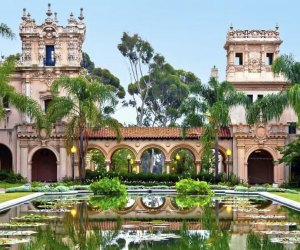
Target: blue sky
(189,33)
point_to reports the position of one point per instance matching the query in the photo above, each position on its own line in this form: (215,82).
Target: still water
(147,222)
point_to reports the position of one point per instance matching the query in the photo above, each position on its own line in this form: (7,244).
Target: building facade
(50,51)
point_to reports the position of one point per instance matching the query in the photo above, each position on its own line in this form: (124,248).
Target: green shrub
(189,201)
(37,184)
(292,191)
(79,187)
(11,177)
(108,187)
(17,189)
(148,179)
(189,186)
(241,189)
(258,189)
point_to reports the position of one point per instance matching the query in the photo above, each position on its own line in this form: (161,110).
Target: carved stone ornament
(254,62)
(261,134)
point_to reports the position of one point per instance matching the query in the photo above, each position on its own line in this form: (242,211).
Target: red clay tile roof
(153,133)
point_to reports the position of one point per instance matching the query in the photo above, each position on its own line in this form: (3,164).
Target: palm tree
(6,32)
(87,106)
(23,103)
(272,106)
(211,102)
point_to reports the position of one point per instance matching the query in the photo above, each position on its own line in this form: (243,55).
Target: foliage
(108,201)
(208,107)
(255,242)
(6,32)
(97,157)
(23,103)
(108,186)
(272,106)
(150,178)
(11,177)
(290,153)
(119,162)
(84,108)
(185,164)
(189,186)
(87,63)
(241,189)
(189,201)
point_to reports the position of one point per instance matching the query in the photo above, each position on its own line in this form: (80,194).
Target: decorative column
(63,164)
(138,166)
(107,163)
(167,164)
(24,161)
(198,166)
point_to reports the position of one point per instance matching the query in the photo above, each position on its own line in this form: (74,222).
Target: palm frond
(6,32)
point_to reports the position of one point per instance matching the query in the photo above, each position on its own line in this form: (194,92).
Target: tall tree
(208,107)
(168,89)
(139,54)
(6,32)
(87,63)
(85,108)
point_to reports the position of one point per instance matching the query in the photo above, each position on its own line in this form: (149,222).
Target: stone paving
(14,202)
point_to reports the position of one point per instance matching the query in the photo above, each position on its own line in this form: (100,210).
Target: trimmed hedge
(11,177)
(149,178)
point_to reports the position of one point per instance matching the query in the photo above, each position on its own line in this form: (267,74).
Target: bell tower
(250,55)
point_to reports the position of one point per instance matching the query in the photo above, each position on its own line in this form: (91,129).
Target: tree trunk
(81,156)
(216,156)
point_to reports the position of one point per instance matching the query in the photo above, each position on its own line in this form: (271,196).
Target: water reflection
(134,222)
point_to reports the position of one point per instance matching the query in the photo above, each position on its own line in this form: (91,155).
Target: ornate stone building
(50,51)
(250,54)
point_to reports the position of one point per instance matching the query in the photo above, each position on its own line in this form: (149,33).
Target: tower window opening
(50,56)
(259,97)
(250,97)
(269,58)
(238,59)
(47,103)
(292,128)
(5,102)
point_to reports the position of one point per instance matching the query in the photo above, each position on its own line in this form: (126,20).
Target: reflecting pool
(149,222)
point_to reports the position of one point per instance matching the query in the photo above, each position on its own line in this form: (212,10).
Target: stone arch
(89,164)
(121,146)
(266,148)
(260,166)
(6,158)
(44,166)
(152,145)
(95,146)
(184,146)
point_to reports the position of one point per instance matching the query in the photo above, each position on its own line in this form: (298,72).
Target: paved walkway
(284,201)
(14,202)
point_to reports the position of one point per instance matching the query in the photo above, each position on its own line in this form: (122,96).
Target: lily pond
(149,221)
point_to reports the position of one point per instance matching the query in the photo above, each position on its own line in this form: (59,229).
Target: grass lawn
(9,185)
(11,196)
(294,197)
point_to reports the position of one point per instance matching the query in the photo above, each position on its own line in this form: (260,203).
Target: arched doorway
(44,166)
(260,167)
(5,158)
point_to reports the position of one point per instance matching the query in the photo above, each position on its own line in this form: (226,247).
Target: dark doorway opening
(260,167)
(44,166)
(5,158)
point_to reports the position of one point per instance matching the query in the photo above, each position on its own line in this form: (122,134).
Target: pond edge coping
(11,203)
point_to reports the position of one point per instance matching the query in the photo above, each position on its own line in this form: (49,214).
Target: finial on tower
(49,12)
(81,17)
(276,27)
(24,14)
(214,73)
(231,27)
(55,17)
